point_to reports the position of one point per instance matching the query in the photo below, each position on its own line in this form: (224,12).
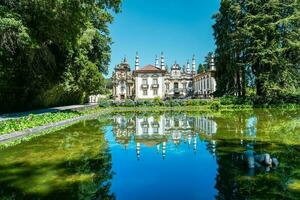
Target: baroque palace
(157,81)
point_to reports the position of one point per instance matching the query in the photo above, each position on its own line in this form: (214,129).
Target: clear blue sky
(179,28)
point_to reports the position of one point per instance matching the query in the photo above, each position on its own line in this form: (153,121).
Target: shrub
(215,105)
(228,100)
(144,102)
(195,102)
(149,103)
(129,103)
(175,103)
(116,103)
(158,102)
(104,103)
(140,103)
(189,102)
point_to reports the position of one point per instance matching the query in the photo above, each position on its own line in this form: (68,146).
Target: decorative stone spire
(156,62)
(164,147)
(189,139)
(138,150)
(195,144)
(157,148)
(162,61)
(125,59)
(188,69)
(212,64)
(137,61)
(194,65)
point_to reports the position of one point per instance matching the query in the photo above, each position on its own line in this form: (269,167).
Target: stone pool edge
(10,137)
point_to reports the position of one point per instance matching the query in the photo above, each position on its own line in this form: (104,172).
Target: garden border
(9,137)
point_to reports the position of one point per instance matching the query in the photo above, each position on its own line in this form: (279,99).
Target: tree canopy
(53,52)
(258,45)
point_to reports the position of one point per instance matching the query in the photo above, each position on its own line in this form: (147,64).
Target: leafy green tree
(201,68)
(46,45)
(258,41)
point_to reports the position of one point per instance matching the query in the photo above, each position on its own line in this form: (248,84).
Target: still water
(159,156)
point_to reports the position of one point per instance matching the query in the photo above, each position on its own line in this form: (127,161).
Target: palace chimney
(156,62)
(188,69)
(194,65)
(162,61)
(137,61)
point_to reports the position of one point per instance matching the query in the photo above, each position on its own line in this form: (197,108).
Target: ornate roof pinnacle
(125,59)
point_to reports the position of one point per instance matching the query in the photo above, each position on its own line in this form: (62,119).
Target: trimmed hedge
(225,101)
(155,102)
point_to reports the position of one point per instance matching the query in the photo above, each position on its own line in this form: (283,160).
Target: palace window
(145,92)
(176,123)
(184,86)
(167,86)
(145,81)
(145,130)
(154,91)
(155,81)
(168,123)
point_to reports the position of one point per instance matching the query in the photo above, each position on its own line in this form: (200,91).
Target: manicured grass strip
(34,120)
(30,137)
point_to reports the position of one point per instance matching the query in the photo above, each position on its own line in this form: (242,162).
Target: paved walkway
(8,116)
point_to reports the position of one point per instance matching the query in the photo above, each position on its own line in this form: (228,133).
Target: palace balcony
(155,86)
(145,86)
(177,90)
(155,124)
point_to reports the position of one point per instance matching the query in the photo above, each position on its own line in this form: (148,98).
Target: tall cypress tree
(260,37)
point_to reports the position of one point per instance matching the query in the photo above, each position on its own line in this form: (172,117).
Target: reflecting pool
(187,155)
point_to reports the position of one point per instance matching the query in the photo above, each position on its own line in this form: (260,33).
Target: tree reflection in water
(226,136)
(236,181)
(74,163)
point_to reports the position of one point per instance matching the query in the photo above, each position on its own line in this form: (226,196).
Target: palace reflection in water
(158,130)
(214,149)
(159,156)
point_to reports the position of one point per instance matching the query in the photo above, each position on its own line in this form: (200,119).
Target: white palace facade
(157,81)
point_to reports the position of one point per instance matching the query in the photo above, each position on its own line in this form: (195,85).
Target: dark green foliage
(34,120)
(129,103)
(154,102)
(52,52)
(104,103)
(158,101)
(258,46)
(174,103)
(215,105)
(200,68)
(195,102)
(257,101)
(144,103)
